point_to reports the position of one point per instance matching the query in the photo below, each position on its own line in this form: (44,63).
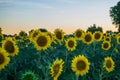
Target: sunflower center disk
(70,44)
(88,38)
(9,47)
(59,35)
(56,69)
(107,39)
(78,34)
(97,36)
(22,34)
(81,65)
(42,41)
(108,64)
(1,58)
(106,45)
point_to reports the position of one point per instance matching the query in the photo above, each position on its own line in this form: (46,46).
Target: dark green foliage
(43,30)
(94,28)
(0,30)
(115,15)
(29,75)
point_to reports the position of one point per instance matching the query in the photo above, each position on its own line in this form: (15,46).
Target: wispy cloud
(33,4)
(24,3)
(68,1)
(6,1)
(6,4)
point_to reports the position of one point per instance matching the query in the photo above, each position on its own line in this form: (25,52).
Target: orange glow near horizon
(67,30)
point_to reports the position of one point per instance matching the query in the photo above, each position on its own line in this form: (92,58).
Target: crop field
(45,55)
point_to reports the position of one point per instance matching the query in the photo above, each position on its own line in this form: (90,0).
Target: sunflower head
(106,45)
(4,59)
(107,39)
(22,34)
(88,38)
(118,35)
(29,75)
(56,69)
(71,44)
(33,34)
(116,50)
(118,39)
(108,64)
(80,65)
(98,35)
(79,34)
(42,41)
(59,35)
(16,37)
(10,46)
(108,35)
(113,35)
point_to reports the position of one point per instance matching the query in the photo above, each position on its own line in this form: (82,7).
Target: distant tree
(0,36)
(94,28)
(109,31)
(43,30)
(0,31)
(115,15)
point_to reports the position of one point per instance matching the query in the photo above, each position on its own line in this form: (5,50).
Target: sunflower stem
(38,61)
(77,77)
(101,76)
(14,67)
(66,56)
(101,73)
(94,45)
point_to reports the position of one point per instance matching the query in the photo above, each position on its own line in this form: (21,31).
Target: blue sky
(69,15)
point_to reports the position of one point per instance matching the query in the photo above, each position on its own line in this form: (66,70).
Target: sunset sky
(69,15)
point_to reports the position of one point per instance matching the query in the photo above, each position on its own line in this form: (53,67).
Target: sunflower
(118,35)
(106,45)
(16,38)
(108,64)
(22,34)
(42,41)
(113,35)
(107,39)
(116,50)
(88,38)
(80,65)
(58,35)
(10,46)
(4,59)
(29,75)
(104,34)
(98,36)
(118,39)
(79,34)
(33,34)
(56,69)
(71,44)
(108,35)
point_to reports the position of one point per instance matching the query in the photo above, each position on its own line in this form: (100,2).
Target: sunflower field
(42,55)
